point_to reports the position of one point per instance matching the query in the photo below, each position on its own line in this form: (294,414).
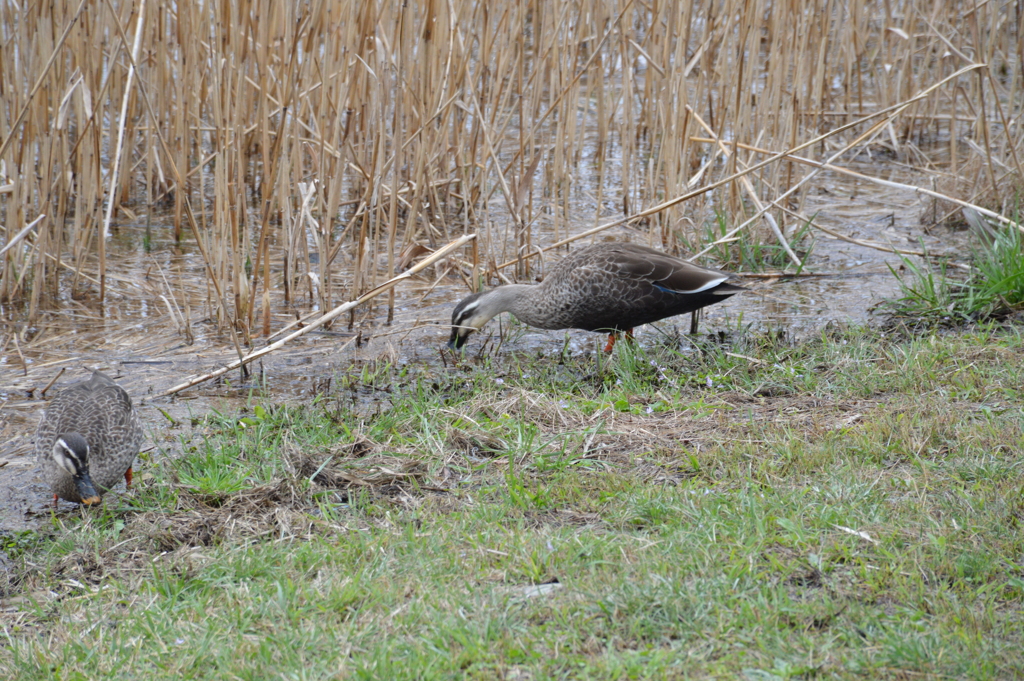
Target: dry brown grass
(340,133)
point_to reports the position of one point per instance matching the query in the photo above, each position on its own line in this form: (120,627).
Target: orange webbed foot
(128,478)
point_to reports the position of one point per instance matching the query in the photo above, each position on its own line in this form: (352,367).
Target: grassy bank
(845,506)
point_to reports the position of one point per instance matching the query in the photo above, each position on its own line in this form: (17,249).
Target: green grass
(942,296)
(748,251)
(848,507)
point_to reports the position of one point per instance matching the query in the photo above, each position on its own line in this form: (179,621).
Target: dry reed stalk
(188,209)
(327,317)
(22,234)
(122,120)
(888,112)
(879,181)
(885,248)
(749,188)
(412,131)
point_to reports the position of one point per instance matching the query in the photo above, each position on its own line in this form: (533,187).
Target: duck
(87,440)
(610,287)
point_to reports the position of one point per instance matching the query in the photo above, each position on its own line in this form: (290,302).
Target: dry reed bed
(351,131)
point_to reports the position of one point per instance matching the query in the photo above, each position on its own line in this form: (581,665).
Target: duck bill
(457,340)
(86,490)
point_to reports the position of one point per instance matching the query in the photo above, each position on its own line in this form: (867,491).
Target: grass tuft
(993,288)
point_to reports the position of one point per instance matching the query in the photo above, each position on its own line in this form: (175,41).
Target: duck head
(71,453)
(469,316)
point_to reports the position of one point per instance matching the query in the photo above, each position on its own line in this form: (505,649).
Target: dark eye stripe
(467,311)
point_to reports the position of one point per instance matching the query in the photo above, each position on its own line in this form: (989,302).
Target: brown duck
(611,287)
(87,440)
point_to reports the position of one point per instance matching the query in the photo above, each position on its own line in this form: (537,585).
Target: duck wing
(646,266)
(621,286)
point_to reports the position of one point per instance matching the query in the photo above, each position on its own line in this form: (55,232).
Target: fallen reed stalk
(757,166)
(22,234)
(751,193)
(327,317)
(880,182)
(889,113)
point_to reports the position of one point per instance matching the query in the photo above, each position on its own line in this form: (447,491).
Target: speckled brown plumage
(610,287)
(101,412)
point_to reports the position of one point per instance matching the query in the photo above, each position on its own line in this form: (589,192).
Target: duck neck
(514,298)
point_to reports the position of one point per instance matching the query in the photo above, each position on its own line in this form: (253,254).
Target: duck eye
(64,458)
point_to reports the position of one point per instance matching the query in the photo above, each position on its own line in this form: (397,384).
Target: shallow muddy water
(137,342)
